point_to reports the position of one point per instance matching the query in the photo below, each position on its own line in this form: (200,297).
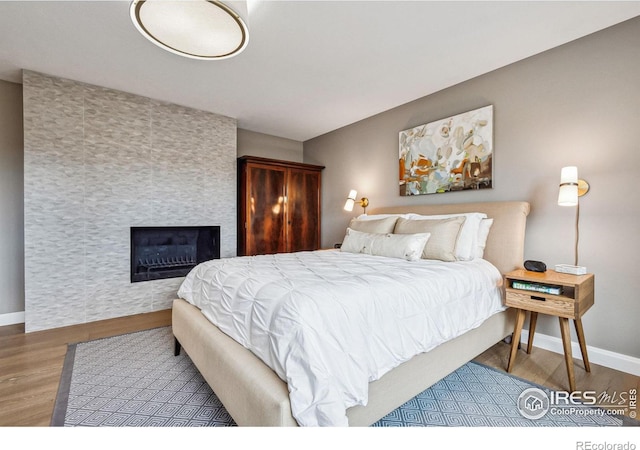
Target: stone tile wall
(98,161)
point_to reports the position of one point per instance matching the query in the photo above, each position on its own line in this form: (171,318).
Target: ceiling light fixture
(199,29)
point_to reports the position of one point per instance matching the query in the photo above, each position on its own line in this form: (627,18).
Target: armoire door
(278,206)
(265,210)
(303,210)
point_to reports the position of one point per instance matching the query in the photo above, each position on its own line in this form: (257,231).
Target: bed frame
(255,396)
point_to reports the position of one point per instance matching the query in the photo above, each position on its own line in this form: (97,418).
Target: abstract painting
(452,154)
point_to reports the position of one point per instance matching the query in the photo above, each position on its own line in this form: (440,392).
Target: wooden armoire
(278,206)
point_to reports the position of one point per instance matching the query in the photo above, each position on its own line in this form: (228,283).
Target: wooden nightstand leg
(532,330)
(583,343)
(515,340)
(568,356)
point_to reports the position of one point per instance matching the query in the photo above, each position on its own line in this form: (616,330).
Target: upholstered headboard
(505,244)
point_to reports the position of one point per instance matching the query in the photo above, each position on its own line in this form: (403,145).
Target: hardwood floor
(31,364)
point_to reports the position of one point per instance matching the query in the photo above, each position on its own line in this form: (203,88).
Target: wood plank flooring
(31,364)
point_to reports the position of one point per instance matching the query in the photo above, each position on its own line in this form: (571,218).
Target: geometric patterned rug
(479,396)
(134,380)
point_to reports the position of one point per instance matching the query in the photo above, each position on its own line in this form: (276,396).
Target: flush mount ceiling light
(199,29)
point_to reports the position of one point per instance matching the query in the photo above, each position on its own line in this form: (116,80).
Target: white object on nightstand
(573,270)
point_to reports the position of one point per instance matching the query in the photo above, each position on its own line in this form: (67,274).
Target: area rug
(134,380)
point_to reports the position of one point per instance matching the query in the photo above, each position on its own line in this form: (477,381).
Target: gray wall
(98,161)
(11,203)
(578,104)
(267,146)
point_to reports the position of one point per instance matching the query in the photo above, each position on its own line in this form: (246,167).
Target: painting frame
(447,155)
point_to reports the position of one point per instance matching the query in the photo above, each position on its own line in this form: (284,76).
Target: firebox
(171,252)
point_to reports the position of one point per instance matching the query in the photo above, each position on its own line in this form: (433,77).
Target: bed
(255,395)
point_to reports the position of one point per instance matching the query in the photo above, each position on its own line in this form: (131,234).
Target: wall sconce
(351,199)
(571,188)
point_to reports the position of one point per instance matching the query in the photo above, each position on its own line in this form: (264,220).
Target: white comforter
(329,322)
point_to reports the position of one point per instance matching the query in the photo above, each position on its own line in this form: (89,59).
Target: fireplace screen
(170,252)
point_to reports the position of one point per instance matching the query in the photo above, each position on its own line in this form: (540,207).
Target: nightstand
(567,297)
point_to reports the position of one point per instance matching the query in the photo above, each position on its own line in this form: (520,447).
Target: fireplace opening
(171,252)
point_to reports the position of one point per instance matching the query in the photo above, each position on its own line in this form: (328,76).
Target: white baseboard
(617,361)
(11,318)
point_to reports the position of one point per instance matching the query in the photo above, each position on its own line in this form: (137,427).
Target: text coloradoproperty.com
(587,411)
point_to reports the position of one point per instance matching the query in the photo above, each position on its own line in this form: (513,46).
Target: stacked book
(536,287)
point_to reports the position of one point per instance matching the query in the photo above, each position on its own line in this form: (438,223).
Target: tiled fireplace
(97,163)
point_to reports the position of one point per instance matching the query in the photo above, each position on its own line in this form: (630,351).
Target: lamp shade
(569,174)
(351,198)
(568,194)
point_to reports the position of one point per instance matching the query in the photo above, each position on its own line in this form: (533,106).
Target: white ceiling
(310,67)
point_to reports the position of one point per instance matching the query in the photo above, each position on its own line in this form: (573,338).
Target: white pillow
(483,234)
(403,246)
(468,238)
(383,225)
(444,235)
(380,216)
